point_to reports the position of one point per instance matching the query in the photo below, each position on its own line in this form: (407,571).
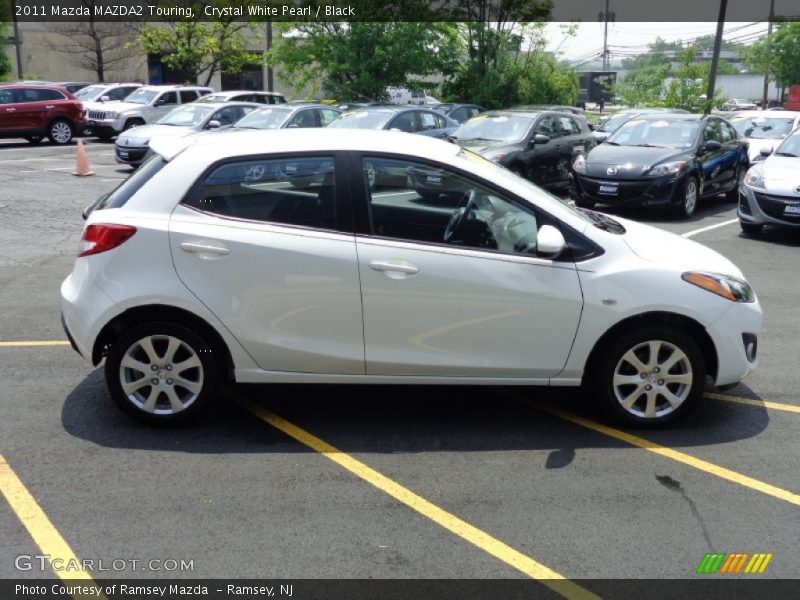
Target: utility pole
(765,98)
(270,82)
(17,46)
(606,17)
(712,78)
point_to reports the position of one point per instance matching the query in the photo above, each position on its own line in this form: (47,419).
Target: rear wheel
(751,228)
(60,132)
(650,376)
(688,201)
(160,373)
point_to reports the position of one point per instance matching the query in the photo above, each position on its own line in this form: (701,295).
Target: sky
(636,36)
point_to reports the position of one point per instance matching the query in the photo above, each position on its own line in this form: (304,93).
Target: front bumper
(651,191)
(759,207)
(130,155)
(736,335)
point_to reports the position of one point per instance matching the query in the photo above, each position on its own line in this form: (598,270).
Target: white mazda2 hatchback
(311,256)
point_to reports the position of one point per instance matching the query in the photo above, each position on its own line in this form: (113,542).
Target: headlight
(112,115)
(727,286)
(668,168)
(754,178)
(579,164)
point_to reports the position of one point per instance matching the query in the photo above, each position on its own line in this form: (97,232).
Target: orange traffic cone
(81,162)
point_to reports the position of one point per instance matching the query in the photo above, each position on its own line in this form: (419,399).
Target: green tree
(777,54)
(5,62)
(199,49)
(688,85)
(359,60)
(643,86)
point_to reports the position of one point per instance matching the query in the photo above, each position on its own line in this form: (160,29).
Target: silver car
(770,191)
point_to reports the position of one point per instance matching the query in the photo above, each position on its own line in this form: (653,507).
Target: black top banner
(395,10)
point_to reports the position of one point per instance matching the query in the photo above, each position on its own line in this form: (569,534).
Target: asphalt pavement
(380,482)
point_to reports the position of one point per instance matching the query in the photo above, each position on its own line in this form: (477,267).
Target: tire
(617,376)
(60,132)
(751,228)
(167,402)
(131,123)
(583,203)
(34,139)
(690,194)
(733,195)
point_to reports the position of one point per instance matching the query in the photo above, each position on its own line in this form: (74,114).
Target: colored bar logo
(734,563)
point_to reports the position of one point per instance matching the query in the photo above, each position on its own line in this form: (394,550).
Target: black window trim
(362,219)
(342,195)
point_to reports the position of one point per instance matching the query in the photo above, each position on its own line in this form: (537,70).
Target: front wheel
(161,373)
(688,200)
(60,132)
(650,376)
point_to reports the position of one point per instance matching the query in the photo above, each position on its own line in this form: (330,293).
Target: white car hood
(782,175)
(673,251)
(114,105)
(147,132)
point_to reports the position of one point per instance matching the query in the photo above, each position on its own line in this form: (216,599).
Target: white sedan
(387,258)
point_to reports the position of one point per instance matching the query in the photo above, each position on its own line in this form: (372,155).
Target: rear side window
(289,191)
(132,184)
(188,96)
(568,126)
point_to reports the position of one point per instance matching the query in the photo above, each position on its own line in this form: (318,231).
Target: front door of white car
(451,281)
(258,242)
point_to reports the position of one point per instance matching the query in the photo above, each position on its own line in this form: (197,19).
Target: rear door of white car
(476,301)
(266,245)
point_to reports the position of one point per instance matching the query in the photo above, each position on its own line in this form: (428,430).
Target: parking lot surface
(381,482)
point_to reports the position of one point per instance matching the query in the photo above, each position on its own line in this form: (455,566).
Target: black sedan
(539,146)
(397,118)
(663,160)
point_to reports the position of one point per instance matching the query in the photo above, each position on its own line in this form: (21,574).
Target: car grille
(626,190)
(775,206)
(98,114)
(131,154)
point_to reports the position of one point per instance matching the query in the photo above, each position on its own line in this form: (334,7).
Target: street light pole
(605,38)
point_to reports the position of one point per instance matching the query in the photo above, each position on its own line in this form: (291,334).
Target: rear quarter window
(125,191)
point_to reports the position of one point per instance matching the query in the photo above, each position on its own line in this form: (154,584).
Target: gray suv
(146,105)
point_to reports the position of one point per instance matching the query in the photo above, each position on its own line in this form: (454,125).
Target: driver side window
(417,202)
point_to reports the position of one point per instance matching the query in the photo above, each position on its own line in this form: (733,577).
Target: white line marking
(689,234)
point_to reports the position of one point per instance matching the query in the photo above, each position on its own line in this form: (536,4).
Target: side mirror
(105,98)
(710,146)
(160,102)
(765,151)
(600,136)
(213,124)
(540,138)
(591,127)
(549,242)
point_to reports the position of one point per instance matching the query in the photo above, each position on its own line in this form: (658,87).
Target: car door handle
(11,109)
(50,106)
(201,248)
(394,266)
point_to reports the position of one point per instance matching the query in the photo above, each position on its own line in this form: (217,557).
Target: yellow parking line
(41,529)
(749,401)
(479,538)
(681,457)
(28,343)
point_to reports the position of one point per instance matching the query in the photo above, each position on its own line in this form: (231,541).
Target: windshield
(772,128)
(497,128)
(141,96)
(91,92)
(790,146)
(658,133)
(186,116)
(264,118)
(613,123)
(213,98)
(362,119)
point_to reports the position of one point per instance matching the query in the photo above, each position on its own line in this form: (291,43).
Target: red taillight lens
(99,238)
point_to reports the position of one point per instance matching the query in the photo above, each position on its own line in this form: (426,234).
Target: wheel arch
(158,312)
(657,318)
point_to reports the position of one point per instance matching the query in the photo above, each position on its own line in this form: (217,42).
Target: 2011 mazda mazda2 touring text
(306,256)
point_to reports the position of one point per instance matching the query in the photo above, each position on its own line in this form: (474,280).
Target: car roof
(176,87)
(216,105)
(393,108)
(252,142)
(660,116)
(519,113)
(236,92)
(789,114)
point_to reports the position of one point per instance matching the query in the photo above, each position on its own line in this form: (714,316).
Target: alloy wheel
(61,132)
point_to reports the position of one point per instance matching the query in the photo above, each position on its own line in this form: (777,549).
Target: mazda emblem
(797,189)
(611,171)
(125,141)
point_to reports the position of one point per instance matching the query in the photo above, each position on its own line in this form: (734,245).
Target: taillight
(99,238)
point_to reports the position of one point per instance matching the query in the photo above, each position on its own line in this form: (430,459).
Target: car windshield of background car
(790,146)
(186,116)
(264,118)
(91,92)
(362,119)
(499,128)
(656,133)
(141,96)
(763,128)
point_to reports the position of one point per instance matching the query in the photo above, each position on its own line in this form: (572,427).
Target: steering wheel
(459,216)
